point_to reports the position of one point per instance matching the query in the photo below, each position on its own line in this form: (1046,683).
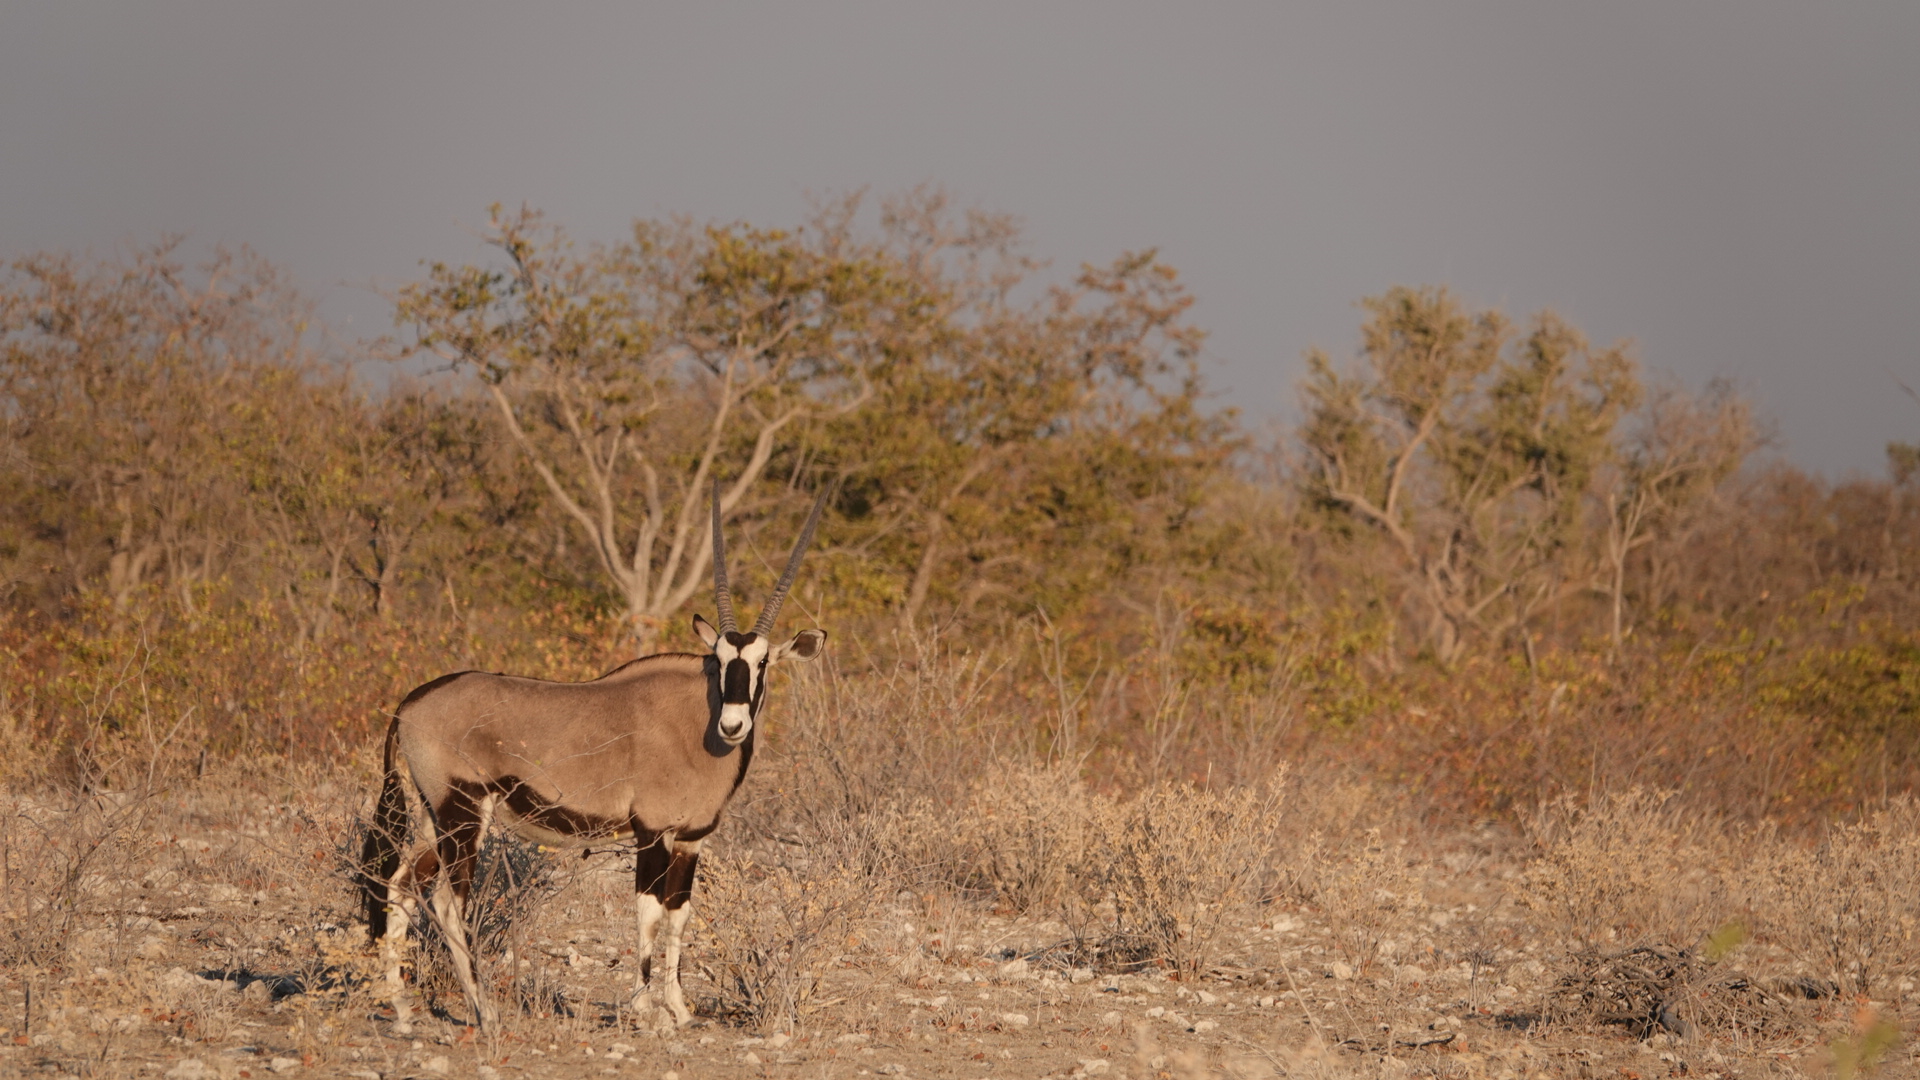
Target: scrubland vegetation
(1514,713)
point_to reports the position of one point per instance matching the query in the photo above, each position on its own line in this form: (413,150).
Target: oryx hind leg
(461,822)
(403,906)
(663,888)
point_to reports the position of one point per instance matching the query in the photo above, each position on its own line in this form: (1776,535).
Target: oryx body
(651,751)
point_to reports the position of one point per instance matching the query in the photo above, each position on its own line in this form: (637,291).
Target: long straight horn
(722,597)
(764,624)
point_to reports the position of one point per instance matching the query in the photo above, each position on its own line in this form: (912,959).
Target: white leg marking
(647,913)
(449,914)
(401,907)
(677,1001)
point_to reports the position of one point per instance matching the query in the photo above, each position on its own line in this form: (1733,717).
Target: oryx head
(744,658)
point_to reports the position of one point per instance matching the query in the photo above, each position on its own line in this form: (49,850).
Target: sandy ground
(216,937)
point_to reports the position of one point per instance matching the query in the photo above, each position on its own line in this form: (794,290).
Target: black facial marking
(738,689)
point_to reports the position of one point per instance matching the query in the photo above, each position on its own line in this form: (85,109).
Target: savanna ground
(882,903)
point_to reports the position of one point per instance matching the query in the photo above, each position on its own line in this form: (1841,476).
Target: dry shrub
(1021,837)
(773,933)
(1366,889)
(1153,876)
(1634,868)
(57,859)
(1178,860)
(1687,992)
(1850,906)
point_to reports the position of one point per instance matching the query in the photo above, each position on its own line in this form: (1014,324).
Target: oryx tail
(386,838)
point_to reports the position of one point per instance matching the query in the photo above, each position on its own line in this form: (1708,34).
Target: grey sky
(1734,185)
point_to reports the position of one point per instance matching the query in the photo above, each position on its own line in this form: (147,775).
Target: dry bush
(1850,906)
(774,931)
(1634,868)
(1154,876)
(58,857)
(1177,861)
(1020,837)
(1366,889)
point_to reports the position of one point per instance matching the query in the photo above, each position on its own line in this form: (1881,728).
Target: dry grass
(880,900)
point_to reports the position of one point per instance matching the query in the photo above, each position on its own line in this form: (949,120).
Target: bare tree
(1684,448)
(1468,458)
(629,376)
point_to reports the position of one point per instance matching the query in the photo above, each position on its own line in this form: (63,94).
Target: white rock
(780,1040)
(750,1058)
(1156,1012)
(852,1038)
(283,1064)
(1015,1020)
(1112,1019)
(438,1063)
(1014,969)
(1208,999)
(1093,1066)
(190,1069)
(1340,970)
(1204,1026)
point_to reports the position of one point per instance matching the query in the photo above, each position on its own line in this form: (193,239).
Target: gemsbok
(652,751)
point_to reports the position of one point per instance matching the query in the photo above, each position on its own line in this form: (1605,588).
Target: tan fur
(597,749)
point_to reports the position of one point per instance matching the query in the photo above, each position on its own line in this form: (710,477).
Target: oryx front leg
(663,881)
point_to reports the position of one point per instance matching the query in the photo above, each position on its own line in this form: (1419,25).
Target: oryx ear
(706,631)
(805,645)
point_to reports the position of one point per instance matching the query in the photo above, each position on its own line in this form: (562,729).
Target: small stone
(1340,970)
(1156,1012)
(852,1038)
(669,1075)
(621,1048)
(1015,1020)
(708,1040)
(1093,1066)
(1207,998)
(777,1041)
(190,1069)
(257,992)
(1267,1001)
(283,1064)
(438,1063)
(488,1072)
(1112,1019)
(1203,1026)
(750,1058)
(1082,975)
(1014,969)
(892,1069)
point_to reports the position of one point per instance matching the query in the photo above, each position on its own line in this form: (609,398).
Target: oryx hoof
(650,1016)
